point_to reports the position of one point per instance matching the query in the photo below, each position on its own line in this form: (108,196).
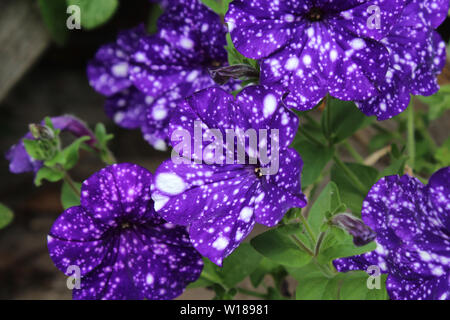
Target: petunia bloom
(316,47)
(108,74)
(416,56)
(122,248)
(146,76)
(21,162)
(412,222)
(222,200)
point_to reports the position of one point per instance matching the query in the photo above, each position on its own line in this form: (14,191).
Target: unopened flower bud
(361,233)
(41,132)
(237,71)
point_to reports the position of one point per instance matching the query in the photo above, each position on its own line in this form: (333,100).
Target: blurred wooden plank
(23,38)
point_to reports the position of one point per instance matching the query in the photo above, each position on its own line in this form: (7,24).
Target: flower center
(125,225)
(258,172)
(315,14)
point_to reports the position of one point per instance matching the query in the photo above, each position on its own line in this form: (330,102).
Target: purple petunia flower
(108,74)
(412,222)
(221,202)
(146,76)
(123,248)
(20,160)
(416,56)
(315,47)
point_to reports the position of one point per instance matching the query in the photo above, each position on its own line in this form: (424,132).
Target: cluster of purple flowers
(146,76)
(137,236)
(319,47)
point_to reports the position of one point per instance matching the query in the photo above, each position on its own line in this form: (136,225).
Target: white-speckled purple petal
(118,192)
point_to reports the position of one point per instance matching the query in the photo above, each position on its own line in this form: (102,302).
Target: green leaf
(350,195)
(345,249)
(236,267)
(71,153)
(200,283)
(343,286)
(443,154)
(312,287)
(102,142)
(218,6)
(345,119)
(265,266)
(95,13)
(234,57)
(49,174)
(327,201)
(396,167)
(240,264)
(273,294)
(34,149)
(214,5)
(54,15)
(155,12)
(222,293)
(315,158)
(208,276)
(6,216)
(438,103)
(353,286)
(102,136)
(68,157)
(379,294)
(68,196)
(278,246)
(379,141)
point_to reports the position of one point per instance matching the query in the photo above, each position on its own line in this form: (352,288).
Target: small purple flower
(416,56)
(412,222)
(315,47)
(221,202)
(19,159)
(123,248)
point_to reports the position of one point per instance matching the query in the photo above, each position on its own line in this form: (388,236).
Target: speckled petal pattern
(123,248)
(411,221)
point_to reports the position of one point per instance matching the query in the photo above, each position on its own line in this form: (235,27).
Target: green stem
(308,228)
(252,293)
(353,152)
(411,143)
(328,273)
(303,246)
(327,120)
(358,184)
(110,158)
(68,179)
(319,243)
(311,138)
